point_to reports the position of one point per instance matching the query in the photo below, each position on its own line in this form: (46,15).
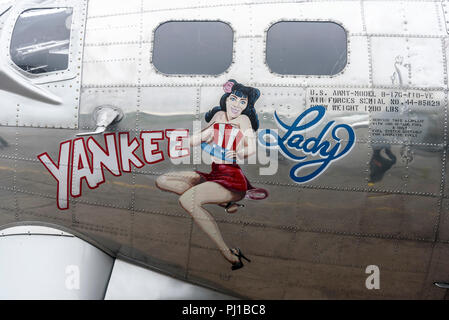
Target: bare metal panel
(117,71)
(345,12)
(165,236)
(106,7)
(394,17)
(29,144)
(7,173)
(437,270)
(424,170)
(99,30)
(443,231)
(406,58)
(178,4)
(6,214)
(97,53)
(110,227)
(381,204)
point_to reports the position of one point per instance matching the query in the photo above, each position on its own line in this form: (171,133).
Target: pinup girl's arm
(207,134)
(247,147)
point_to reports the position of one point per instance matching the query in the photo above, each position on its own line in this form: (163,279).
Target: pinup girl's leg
(209,192)
(178,182)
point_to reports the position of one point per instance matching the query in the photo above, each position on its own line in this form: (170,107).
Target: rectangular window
(40,40)
(193,47)
(306,48)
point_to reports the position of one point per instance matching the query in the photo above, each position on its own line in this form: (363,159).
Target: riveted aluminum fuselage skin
(307,240)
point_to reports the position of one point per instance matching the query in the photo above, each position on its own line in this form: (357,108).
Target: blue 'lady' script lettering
(293,139)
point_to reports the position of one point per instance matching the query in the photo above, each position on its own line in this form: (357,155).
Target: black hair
(240,90)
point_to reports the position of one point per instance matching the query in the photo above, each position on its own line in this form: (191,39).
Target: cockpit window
(193,47)
(40,40)
(306,48)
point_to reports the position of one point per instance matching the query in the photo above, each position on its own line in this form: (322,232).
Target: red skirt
(232,178)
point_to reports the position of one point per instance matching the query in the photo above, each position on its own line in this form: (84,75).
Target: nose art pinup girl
(229,136)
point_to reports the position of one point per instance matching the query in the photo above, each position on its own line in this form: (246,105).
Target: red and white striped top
(227,136)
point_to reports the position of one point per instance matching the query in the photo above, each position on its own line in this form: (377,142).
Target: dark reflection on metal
(41,39)
(193,47)
(380,164)
(306,48)
(3,143)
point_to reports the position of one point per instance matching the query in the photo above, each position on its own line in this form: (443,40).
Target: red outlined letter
(60,172)
(81,168)
(127,155)
(104,159)
(151,152)
(175,139)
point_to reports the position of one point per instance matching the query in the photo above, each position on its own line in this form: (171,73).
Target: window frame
(70,41)
(348,51)
(193,75)
(77,32)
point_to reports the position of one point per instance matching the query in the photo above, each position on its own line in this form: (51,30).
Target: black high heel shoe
(239,254)
(231,204)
